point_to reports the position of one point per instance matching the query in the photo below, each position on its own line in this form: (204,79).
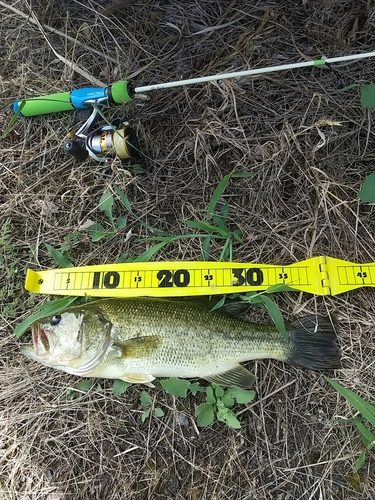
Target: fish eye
(55,320)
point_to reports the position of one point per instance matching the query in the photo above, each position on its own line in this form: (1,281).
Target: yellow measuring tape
(318,275)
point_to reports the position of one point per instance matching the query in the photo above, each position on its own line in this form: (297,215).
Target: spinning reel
(104,144)
(116,139)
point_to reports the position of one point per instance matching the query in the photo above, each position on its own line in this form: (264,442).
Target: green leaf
(58,256)
(205,414)
(98,232)
(237,235)
(195,387)
(367,436)
(176,386)
(184,237)
(220,223)
(145,414)
(204,226)
(137,169)
(95,228)
(44,311)
(84,385)
(158,412)
(219,391)
(123,258)
(345,89)
(124,200)
(226,253)
(99,235)
(227,416)
(367,192)
(145,399)
(275,314)
(205,249)
(242,396)
(219,304)
(220,188)
(121,222)
(106,205)
(360,461)
(368,95)
(146,256)
(366,409)
(210,398)
(228,400)
(120,386)
(13,119)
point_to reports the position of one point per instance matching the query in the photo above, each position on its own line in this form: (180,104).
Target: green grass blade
(205,254)
(45,310)
(106,205)
(58,256)
(219,221)
(280,287)
(367,436)
(275,314)
(184,237)
(204,226)
(360,461)
(227,253)
(146,256)
(13,119)
(366,409)
(220,188)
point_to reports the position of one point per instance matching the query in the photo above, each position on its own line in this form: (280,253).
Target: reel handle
(73,148)
(119,93)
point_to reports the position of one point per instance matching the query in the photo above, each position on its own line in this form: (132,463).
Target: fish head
(73,341)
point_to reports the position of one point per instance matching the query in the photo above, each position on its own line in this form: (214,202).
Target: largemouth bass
(139,339)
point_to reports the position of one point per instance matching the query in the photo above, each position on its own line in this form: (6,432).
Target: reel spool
(103,144)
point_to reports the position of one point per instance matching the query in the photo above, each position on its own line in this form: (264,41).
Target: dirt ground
(311,148)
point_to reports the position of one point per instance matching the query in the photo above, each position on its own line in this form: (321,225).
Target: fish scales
(194,339)
(139,339)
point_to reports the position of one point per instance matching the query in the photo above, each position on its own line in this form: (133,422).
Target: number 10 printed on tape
(318,275)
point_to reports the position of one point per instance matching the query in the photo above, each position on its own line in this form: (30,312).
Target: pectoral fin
(139,378)
(238,376)
(138,347)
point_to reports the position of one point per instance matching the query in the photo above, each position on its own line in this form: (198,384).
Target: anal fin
(139,378)
(238,376)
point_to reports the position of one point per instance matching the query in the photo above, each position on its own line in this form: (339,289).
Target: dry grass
(301,203)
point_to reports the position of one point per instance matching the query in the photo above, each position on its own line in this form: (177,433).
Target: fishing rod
(106,142)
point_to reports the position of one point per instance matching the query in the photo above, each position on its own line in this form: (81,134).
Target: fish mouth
(41,340)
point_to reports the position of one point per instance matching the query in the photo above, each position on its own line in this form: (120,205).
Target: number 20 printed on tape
(318,275)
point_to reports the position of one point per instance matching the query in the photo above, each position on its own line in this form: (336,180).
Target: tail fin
(313,344)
